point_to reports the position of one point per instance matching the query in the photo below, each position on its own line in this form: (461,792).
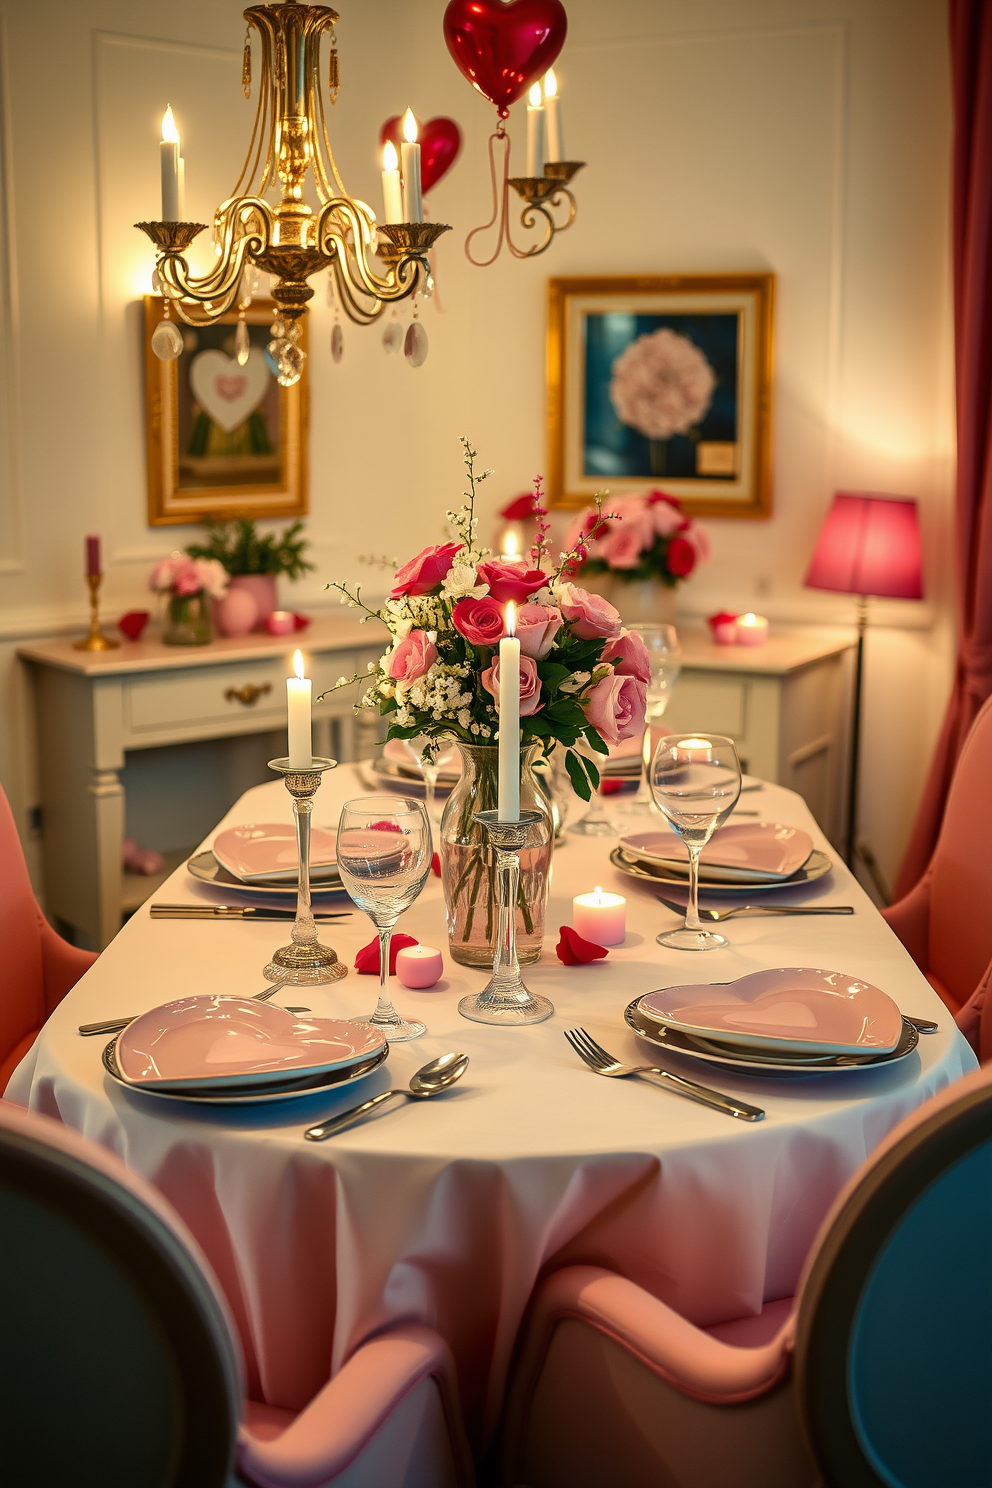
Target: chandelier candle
(554,150)
(299,693)
(508,799)
(535,131)
(169,151)
(392,199)
(413,208)
(599,917)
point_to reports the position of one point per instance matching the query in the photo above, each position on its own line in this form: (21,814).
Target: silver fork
(602,1063)
(116,1025)
(773,909)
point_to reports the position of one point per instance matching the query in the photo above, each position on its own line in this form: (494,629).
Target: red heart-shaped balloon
(501,48)
(440,140)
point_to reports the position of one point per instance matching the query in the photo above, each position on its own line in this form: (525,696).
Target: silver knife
(233,912)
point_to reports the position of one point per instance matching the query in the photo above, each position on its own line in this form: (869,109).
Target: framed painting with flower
(223,439)
(662,381)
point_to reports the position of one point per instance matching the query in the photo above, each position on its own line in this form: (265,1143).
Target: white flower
(462,582)
(576,682)
(661,384)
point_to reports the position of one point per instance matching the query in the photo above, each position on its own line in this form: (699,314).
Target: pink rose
(511,581)
(414,656)
(530,684)
(537,626)
(588,614)
(479,621)
(426,571)
(187,580)
(164,572)
(623,545)
(628,656)
(666,514)
(616,707)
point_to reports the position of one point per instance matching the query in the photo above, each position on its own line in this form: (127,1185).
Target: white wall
(806,137)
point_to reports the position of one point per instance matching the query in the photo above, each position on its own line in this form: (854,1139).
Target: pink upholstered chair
(877,1373)
(945,922)
(121,1366)
(40,966)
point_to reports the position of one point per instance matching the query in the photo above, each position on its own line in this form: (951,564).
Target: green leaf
(591,771)
(596,740)
(553,673)
(577,776)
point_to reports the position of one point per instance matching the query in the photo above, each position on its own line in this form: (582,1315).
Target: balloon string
(499,201)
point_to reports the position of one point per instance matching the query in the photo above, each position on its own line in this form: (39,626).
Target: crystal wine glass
(695,783)
(665,652)
(384,857)
(431,756)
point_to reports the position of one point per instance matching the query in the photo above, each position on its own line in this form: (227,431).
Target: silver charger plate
(252,1095)
(815,866)
(207,868)
(677,1041)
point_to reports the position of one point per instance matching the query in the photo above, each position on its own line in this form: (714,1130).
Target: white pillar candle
(169,153)
(535,132)
(599,917)
(392,199)
(752,630)
(413,207)
(299,693)
(508,801)
(554,148)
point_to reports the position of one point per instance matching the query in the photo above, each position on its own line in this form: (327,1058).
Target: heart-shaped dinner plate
(761,850)
(795,1009)
(209,1042)
(265,852)
(253,1095)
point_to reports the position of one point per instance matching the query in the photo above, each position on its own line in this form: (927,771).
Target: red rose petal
(574,950)
(367,960)
(436,865)
(384,826)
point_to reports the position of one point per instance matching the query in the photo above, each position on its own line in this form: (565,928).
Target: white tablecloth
(445,1212)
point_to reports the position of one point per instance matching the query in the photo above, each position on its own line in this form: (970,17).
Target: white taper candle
(299,694)
(535,132)
(554,147)
(508,801)
(413,207)
(169,153)
(391,196)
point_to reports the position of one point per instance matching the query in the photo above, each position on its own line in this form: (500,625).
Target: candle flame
(511,547)
(550,83)
(298,664)
(410,127)
(170,134)
(694,744)
(511,618)
(390,159)
(534,97)
(748,619)
(599,894)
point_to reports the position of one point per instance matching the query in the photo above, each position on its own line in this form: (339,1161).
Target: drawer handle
(249,694)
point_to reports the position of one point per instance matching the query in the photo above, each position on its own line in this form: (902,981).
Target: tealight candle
(752,630)
(280,622)
(694,752)
(599,917)
(724,628)
(419,967)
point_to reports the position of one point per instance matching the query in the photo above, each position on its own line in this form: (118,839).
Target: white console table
(94,706)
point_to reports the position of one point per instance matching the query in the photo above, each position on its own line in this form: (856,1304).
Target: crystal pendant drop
(289,363)
(167,343)
(392,336)
(415,344)
(428,287)
(242,343)
(337,343)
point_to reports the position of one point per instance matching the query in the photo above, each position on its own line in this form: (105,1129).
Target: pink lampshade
(869,545)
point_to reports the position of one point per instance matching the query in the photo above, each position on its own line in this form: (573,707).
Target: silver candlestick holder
(304,962)
(505,999)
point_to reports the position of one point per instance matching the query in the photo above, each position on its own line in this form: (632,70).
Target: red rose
(367,961)
(479,621)
(511,581)
(426,571)
(653,497)
(519,509)
(681,557)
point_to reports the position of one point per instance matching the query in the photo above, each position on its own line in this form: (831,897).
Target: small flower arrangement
(644,537)
(582,675)
(183,576)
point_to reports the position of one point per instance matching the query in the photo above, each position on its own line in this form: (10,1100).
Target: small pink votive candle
(599,917)
(723,627)
(419,967)
(280,622)
(752,630)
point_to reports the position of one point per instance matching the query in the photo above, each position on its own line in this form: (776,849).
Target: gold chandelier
(290,241)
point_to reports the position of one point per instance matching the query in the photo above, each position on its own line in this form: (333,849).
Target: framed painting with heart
(223,439)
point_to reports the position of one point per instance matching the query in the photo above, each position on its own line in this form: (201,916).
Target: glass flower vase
(187,620)
(468,866)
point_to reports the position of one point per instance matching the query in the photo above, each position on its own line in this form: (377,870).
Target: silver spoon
(115,1025)
(430,1080)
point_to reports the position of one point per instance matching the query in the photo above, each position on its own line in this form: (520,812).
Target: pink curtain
(971,67)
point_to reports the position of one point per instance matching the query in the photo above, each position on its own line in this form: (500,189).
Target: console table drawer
(708,704)
(202,696)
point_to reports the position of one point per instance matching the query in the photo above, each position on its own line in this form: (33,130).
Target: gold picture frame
(203,458)
(699,366)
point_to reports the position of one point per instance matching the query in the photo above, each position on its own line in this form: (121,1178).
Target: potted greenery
(254,562)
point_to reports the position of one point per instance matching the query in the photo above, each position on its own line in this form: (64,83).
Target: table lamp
(868,545)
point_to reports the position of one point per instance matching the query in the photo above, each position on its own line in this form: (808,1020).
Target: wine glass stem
(385,1007)
(304,929)
(692,920)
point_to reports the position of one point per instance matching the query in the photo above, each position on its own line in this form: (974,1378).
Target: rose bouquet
(644,537)
(190,583)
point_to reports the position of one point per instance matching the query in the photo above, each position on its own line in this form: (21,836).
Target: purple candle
(92,556)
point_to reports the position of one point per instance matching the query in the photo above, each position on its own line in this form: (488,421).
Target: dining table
(447,1211)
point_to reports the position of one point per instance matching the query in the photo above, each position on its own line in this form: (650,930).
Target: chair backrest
(119,1366)
(960,928)
(22,1003)
(894,1335)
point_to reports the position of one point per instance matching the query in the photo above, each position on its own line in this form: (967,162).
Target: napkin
(574,950)
(367,960)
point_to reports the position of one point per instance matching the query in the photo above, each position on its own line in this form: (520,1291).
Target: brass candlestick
(304,962)
(96,640)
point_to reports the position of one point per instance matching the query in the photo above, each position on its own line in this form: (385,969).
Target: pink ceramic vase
(262,588)
(237,613)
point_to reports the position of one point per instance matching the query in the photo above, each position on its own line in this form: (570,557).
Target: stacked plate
(261,857)
(791,1020)
(769,855)
(396,767)
(237,1051)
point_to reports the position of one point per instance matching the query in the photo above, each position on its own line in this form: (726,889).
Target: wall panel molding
(12,560)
